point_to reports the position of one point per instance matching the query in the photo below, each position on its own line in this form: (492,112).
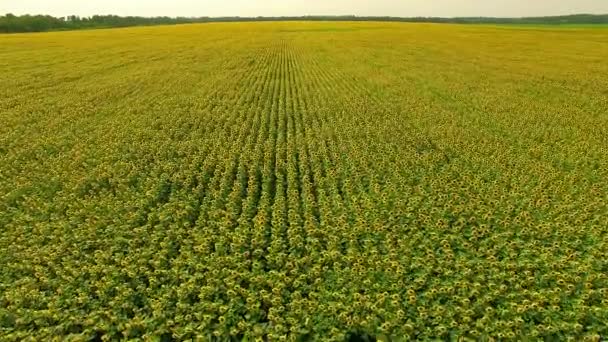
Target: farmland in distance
(304,181)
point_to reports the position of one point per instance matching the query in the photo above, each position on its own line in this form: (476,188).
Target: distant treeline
(10,23)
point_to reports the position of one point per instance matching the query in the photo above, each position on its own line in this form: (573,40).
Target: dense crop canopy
(272,181)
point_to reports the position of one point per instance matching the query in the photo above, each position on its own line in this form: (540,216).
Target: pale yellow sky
(402,8)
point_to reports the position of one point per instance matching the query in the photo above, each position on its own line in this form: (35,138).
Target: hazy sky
(448,8)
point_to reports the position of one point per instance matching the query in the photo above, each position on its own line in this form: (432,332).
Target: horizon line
(313,16)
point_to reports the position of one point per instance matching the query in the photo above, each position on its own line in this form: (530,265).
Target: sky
(401,8)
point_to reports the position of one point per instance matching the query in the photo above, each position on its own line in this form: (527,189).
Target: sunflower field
(302,181)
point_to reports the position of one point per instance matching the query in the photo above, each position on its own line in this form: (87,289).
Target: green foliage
(304,181)
(40,23)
